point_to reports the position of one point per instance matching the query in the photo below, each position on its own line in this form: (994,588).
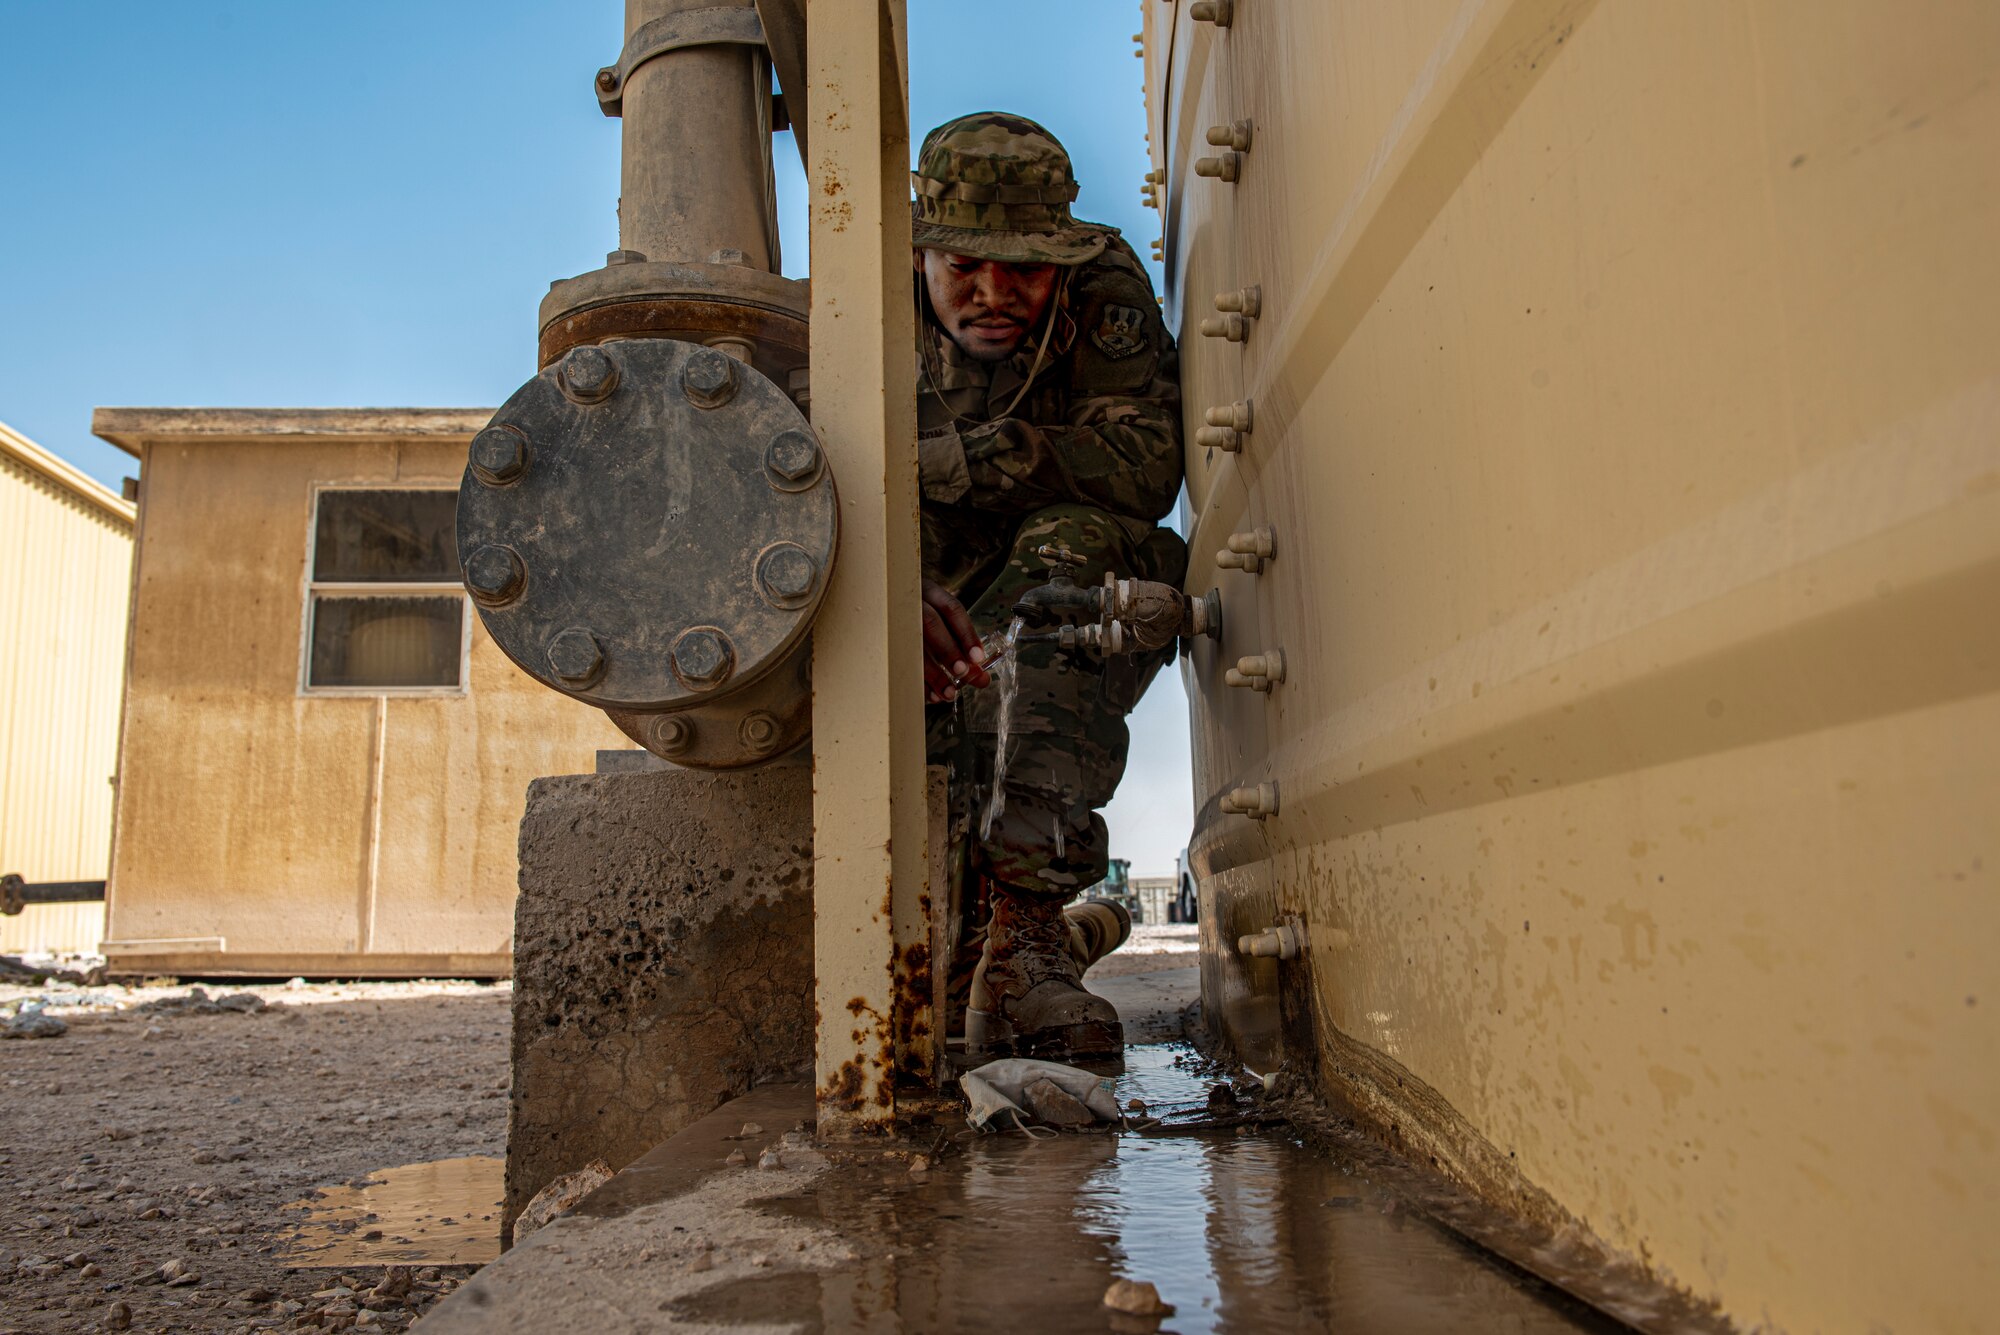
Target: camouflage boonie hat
(998,187)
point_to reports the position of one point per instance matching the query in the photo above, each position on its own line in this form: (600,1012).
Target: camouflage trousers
(1067,738)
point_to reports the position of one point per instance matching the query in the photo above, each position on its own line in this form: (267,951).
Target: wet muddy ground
(155,1134)
(327,1158)
(172,1139)
(741,1224)
(1254,1231)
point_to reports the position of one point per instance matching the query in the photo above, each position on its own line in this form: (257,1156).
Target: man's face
(986,306)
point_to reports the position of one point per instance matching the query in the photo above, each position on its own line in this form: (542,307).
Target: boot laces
(1037,945)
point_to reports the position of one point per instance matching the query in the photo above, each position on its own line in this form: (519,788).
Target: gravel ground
(150,1150)
(1166,946)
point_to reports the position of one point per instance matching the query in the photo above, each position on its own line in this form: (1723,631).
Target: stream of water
(1002,661)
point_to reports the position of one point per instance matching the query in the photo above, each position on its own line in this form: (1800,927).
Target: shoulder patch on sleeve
(1119,332)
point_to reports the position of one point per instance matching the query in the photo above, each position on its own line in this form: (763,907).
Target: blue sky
(236,203)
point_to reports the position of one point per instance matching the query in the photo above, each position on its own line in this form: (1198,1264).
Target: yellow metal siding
(53,929)
(65,572)
(1628,412)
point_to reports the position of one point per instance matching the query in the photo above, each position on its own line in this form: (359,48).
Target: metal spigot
(1062,598)
(1120,616)
(1058,554)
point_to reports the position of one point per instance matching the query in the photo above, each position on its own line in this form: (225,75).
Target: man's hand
(952,652)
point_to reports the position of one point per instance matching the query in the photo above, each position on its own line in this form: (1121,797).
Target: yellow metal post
(868,749)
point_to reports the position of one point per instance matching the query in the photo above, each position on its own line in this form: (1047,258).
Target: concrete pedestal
(662,959)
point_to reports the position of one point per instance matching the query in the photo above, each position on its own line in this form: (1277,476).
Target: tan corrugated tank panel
(65,582)
(1627,411)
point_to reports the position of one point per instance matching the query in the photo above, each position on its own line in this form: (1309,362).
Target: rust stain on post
(870,825)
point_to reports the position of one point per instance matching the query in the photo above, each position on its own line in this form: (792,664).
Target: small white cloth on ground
(994,1090)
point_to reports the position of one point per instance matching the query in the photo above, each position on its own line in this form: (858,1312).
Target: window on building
(385,610)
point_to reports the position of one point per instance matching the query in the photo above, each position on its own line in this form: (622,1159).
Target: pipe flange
(771,717)
(717,25)
(640,558)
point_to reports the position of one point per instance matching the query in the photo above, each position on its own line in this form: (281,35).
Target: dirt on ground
(151,1147)
(1151,948)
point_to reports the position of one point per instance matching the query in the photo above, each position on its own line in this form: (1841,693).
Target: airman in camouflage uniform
(1036,427)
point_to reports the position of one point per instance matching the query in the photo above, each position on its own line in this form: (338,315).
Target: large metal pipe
(649,525)
(695,177)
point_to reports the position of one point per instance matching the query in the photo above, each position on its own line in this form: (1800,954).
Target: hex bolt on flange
(709,378)
(498,455)
(702,657)
(792,458)
(587,375)
(758,732)
(1255,802)
(671,735)
(495,574)
(575,657)
(786,574)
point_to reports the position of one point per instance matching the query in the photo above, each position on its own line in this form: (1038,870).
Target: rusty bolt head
(709,379)
(499,454)
(786,573)
(494,574)
(587,375)
(575,657)
(701,658)
(607,79)
(671,735)
(792,455)
(758,732)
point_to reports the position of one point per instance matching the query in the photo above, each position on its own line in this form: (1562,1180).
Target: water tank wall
(1626,389)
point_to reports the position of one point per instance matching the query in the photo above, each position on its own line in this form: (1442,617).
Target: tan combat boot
(1027,994)
(1096,928)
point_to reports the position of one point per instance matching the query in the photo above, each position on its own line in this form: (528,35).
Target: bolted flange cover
(649,521)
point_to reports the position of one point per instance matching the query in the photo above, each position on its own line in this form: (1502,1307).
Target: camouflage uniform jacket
(1100,426)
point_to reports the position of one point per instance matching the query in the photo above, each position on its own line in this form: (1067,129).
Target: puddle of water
(445,1212)
(1250,1234)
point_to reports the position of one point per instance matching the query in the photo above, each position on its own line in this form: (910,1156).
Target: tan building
(65,585)
(1153,899)
(325,758)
